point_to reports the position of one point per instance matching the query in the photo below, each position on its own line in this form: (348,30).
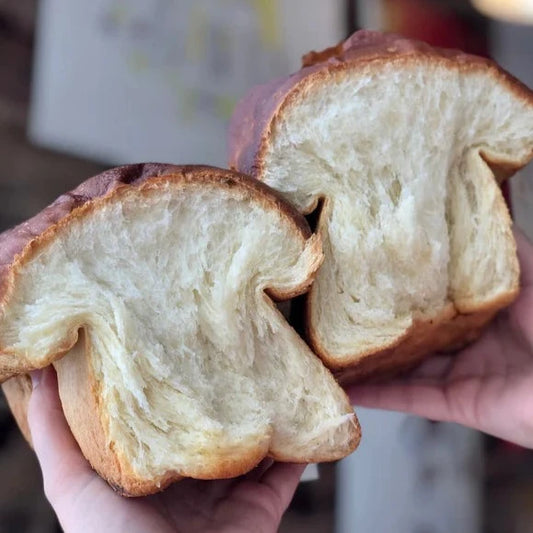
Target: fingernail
(36,376)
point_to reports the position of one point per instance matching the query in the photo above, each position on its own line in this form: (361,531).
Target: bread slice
(150,288)
(400,146)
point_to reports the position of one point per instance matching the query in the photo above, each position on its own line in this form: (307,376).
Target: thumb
(63,466)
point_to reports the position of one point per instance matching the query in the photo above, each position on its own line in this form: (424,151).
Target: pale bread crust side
(80,399)
(78,388)
(79,395)
(250,136)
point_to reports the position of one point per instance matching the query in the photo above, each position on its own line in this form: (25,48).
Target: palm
(486,386)
(253,503)
(241,505)
(84,502)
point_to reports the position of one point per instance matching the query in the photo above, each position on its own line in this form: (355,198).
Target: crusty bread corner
(279,134)
(80,398)
(78,394)
(255,115)
(447,333)
(169,364)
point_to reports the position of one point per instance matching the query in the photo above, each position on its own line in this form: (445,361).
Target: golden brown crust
(250,134)
(444,333)
(20,244)
(78,392)
(17,243)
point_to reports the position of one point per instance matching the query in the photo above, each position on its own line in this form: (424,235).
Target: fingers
(419,399)
(434,368)
(420,392)
(214,490)
(282,479)
(65,470)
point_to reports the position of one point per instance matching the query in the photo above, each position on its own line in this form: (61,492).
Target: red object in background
(440,24)
(437,23)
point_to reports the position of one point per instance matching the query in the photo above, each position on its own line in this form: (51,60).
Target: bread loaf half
(400,147)
(150,288)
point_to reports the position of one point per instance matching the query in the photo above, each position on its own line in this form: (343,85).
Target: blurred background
(87,85)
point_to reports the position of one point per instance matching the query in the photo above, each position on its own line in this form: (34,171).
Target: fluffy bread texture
(401,145)
(149,288)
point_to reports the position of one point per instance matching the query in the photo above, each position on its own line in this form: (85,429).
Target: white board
(156,80)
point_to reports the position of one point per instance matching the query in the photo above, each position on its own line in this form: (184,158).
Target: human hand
(486,386)
(85,503)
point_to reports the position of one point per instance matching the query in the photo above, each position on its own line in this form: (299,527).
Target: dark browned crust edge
(19,244)
(255,115)
(15,242)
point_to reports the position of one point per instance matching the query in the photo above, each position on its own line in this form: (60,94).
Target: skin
(85,503)
(487,386)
